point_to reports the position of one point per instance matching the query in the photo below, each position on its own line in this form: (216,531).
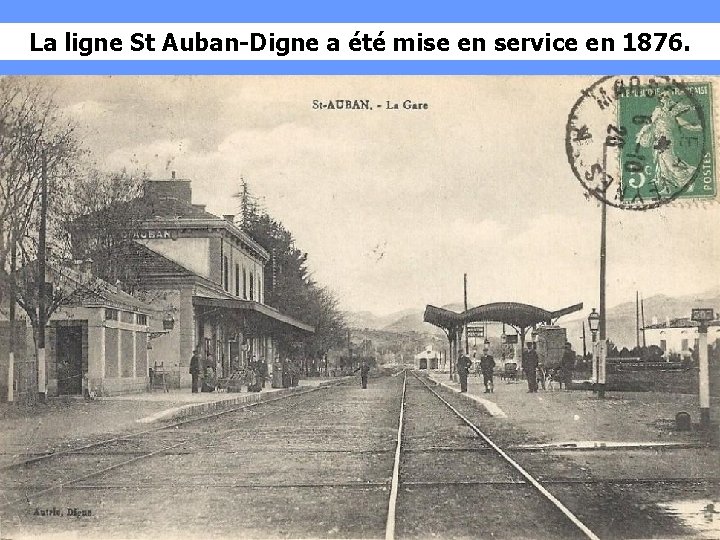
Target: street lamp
(594,323)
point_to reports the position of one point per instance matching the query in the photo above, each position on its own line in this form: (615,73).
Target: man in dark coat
(530,364)
(463,368)
(195,370)
(364,370)
(567,365)
(487,367)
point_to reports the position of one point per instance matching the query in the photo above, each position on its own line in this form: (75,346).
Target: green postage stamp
(641,142)
(664,152)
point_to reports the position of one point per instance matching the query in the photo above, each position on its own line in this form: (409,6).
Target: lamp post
(594,323)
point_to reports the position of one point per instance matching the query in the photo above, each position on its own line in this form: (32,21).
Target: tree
(38,153)
(289,286)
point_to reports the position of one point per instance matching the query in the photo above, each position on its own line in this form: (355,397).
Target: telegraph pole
(42,381)
(637,319)
(467,346)
(601,327)
(642,320)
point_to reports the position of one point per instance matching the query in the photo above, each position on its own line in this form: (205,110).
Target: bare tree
(38,150)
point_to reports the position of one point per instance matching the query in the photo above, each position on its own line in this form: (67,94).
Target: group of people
(206,379)
(531,366)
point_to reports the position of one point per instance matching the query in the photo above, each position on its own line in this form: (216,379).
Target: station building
(96,341)
(427,359)
(202,276)
(679,336)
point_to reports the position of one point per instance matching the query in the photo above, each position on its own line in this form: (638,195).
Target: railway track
(399,445)
(113,453)
(526,478)
(134,435)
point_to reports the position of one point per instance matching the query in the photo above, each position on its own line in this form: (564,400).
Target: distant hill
(658,308)
(366,319)
(620,318)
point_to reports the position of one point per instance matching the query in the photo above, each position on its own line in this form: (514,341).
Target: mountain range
(621,326)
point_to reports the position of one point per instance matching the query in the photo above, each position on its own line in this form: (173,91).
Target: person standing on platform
(487,367)
(567,365)
(195,370)
(463,368)
(530,364)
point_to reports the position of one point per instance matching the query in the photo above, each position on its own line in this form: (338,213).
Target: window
(237,279)
(111,314)
(225,273)
(141,319)
(252,286)
(244,283)
(127,317)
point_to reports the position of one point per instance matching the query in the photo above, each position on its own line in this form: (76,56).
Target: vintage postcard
(360,307)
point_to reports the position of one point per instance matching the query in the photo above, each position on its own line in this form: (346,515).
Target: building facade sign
(154,234)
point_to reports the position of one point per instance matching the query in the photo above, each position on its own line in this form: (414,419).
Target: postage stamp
(641,142)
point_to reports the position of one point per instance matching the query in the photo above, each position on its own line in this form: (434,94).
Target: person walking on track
(463,368)
(530,364)
(487,367)
(364,369)
(195,370)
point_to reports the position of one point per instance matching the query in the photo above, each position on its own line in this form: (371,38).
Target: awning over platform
(270,317)
(512,313)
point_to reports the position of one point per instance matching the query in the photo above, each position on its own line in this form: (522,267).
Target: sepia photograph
(359,307)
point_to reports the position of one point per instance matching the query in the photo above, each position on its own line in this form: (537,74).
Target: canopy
(260,313)
(512,313)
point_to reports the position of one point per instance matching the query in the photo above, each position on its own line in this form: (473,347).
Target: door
(69,360)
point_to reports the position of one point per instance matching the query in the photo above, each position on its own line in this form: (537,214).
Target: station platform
(63,422)
(579,417)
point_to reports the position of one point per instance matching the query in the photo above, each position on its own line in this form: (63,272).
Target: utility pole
(467,346)
(602,326)
(637,319)
(584,344)
(42,380)
(642,319)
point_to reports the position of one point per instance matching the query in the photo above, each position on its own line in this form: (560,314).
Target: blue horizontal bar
(367,11)
(359,67)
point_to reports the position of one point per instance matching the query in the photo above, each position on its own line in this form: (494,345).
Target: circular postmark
(640,142)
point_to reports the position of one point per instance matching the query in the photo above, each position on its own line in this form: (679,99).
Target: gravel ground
(319,466)
(312,466)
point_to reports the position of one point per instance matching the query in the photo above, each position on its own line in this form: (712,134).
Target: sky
(394,206)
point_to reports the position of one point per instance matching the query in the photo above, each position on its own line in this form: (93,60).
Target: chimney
(229,217)
(168,189)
